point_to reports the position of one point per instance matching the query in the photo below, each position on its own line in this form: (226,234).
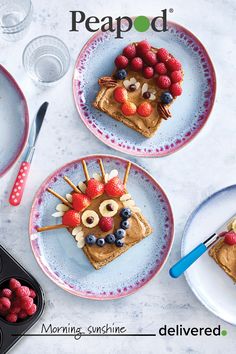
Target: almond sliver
(234,225)
(112,174)
(58,214)
(79,235)
(97,176)
(129,203)
(82,187)
(62,207)
(144,88)
(125,197)
(126,84)
(136,209)
(69,197)
(76,230)
(81,243)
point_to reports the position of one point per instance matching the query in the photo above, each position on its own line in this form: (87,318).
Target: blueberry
(124,224)
(121,74)
(119,243)
(166,97)
(125,213)
(119,234)
(100,242)
(110,238)
(90,239)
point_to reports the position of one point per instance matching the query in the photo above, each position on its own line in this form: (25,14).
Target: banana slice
(108,207)
(90,218)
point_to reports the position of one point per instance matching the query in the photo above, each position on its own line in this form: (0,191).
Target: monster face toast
(142,88)
(101,215)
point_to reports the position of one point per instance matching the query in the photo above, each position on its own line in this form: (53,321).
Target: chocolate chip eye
(110,207)
(132,87)
(147,95)
(90,220)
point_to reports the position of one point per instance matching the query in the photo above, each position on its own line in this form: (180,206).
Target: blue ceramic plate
(14,121)
(66,264)
(214,288)
(190,111)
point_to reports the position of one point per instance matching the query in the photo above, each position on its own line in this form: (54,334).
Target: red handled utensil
(20,182)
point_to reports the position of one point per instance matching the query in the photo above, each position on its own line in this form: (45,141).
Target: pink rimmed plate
(14,122)
(190,111)
(59,257)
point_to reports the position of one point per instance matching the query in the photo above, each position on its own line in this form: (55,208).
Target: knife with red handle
(20,182)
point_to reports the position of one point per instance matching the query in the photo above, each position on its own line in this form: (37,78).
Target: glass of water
(46,59)
(15,18)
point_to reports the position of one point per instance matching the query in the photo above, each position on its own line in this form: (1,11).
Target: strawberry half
(94,188)
(115,187)
(80,201)
(71,218)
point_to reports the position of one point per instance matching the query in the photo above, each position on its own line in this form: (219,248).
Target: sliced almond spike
(62,207)
(82,187)
(126,84)
(86,173)
(59,197)
(234,225)
(51,227)
(79,235)
(125,197)
(58,214)
(106,177)
(102,169)
(137,85)
(112,174)
(97,176)
(73,186)
(76,230)
(81,243)
(133,80)
(127,173)
(136,209)
(144,87)
(129,203)
(69,197)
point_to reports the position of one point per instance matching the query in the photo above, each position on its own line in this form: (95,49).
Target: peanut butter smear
(226,256)
(134,233)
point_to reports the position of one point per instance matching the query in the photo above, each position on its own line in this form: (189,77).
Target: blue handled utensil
(184,263)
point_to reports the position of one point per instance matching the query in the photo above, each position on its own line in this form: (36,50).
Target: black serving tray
(10,333)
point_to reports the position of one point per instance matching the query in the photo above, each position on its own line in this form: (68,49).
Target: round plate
(214,288)
(190,111)
(65,264)
(14,122)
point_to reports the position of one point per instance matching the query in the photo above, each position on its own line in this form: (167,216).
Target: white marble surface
(188,176)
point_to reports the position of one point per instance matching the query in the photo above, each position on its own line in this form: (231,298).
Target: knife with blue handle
(184,263)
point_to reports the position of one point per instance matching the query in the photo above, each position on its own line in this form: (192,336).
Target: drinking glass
(15,18)
(46,59)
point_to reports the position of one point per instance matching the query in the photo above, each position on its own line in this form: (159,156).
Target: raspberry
(230,238)
(162,54)
(80,202)
(128,108)
(145,109)
(26,302)
(106,223)
(3,311)
(22,291)
(148,72)
(120,94)
(173,64)
(71,218)
(32,294)
(14,284)
(163,82)
(15,309)
(94,188)
(143,47)
(5,302)
(136,64)
(121,62)
(6,293)
(129,51)
(160,68)
(150,58)
(176,76)
(22,314)
(31,311)
(12,317)
(115,187)
(175,89)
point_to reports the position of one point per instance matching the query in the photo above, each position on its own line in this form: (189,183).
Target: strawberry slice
(80,201)
(71,218)
(115,187)
(94,188)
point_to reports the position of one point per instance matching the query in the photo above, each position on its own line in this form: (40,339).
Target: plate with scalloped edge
(212,286)
(190,111)
(65,264)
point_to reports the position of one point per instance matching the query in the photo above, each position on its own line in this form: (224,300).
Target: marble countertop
(188,176)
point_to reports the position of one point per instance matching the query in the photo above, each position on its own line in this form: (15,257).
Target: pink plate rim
(165,255)
(26,130)
(148,153)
